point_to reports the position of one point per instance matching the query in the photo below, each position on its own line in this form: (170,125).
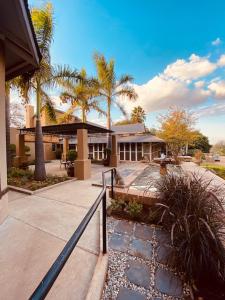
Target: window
(53,147)
(90,146)
(72,147)
(139,151)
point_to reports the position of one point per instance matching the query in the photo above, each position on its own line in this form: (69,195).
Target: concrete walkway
(37,229)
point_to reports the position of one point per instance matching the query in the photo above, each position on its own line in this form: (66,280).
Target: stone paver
(166,282)
(119,242)
(126,294)
(124,227)
(162,237)
(143,232)
(140,248)
(139,274)
(162,253)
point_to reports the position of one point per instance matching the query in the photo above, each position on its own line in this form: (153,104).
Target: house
(134,142)
(19,53)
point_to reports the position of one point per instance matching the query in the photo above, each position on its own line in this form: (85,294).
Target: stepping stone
(162,254)
(166,282)
(138,274)
(140,248)
(143,232)
(119,242)
(124,227)
(162,236)
(126,294)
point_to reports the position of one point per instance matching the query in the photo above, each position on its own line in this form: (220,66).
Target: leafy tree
(138,115)
(109,88)
(176,128)
(80,95)
(219,148)
(201,143)
(124,122)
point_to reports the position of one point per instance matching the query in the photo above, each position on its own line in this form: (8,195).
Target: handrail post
(104,239)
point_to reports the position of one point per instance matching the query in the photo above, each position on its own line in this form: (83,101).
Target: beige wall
(3,166)
(13,133)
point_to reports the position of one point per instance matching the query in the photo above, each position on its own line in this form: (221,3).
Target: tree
(80,95)
(45,77)
(109,88)
(176,128)
(201,143)
(219,148)
(124,122)
(138,115)
(16,115)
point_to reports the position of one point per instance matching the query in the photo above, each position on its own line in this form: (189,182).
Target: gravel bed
(119,261)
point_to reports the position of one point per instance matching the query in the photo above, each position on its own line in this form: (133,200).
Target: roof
(129,128)
(68,129)
(22,53)
(145,138)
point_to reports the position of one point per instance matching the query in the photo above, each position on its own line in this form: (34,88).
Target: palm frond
(124,79)
(48,105)
(127,91)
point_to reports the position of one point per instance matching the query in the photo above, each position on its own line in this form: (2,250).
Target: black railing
(52,274)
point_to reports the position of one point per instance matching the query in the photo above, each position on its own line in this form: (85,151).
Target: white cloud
(221,61)
(199,84)
(212,110)
(193,68)
(218,89)
(216,42)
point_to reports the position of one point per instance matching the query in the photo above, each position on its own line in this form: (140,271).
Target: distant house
(134,143)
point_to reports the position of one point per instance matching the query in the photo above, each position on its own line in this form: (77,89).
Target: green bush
(117,205)
(72,155)
(134,209)
(27,149)
(12,147)
(19,173)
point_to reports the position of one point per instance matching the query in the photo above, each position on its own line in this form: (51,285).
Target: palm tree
(42,79)
(111,89)
(138,115)
(81,95)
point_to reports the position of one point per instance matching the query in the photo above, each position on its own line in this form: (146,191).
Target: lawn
(25,179)
(216,169)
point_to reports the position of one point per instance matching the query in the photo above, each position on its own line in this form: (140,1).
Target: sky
(175,51)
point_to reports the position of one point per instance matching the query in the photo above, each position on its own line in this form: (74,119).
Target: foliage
(138,115)
(124,122)
(201,142)
(72,155)
(134,209)
(12,147)
(16,115)
(81,95)
(109,88)
(219,148)
(176,128)
(25,179)
(117,205)
(217,169)
(26,148)
(199,155)
(191,212)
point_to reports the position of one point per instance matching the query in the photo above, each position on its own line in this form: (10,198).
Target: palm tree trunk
(39,172)
(7,120)
(109,122)
(84,119)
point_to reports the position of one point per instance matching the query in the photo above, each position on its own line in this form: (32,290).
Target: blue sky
(173,49)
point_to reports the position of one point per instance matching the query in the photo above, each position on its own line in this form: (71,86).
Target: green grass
(217,169)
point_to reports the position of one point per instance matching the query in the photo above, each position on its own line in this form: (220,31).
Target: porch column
(114,155)
(20,149)
(150,151)
(3,164)
(82,164)
(65,147)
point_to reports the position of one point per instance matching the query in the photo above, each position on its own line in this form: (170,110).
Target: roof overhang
(17,33)
(68,129)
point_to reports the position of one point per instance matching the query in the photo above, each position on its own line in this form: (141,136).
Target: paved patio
(138,264)
(36,230)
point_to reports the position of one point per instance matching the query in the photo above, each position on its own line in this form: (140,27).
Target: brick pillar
(29,116)
(82,165)
(3,164)
(20,150)
(114,159)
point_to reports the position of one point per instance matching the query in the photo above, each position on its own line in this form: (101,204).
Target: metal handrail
(47,282)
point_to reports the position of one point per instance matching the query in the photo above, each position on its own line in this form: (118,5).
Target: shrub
(19,173)
(72,155)
(12,147)
(134,209)
(117,205)
(199,155)
(27,149)
(192,213)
